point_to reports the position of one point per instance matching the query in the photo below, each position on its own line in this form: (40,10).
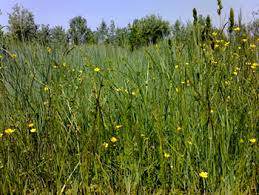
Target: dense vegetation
(148,108)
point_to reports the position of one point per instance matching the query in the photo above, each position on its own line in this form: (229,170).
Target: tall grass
(175,111)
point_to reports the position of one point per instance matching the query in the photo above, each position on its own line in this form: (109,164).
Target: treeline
(141,32)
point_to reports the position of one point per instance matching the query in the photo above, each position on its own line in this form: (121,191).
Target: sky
(59,12)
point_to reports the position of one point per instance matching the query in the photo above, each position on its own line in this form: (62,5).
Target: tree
(78,30)
(253,28)
(112,32)
(22,25)
(58,35)
(44,34)
(178,30)
(102,32)
(148,30)
(122,36)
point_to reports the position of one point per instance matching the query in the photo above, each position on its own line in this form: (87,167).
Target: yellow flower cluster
(114,139)
(32,128)
(13,56)
(49,49)
(97,69)
(166,155)
(9,131)
(118,127)
(254,65)
(237,29)
(236,70)
(203,174)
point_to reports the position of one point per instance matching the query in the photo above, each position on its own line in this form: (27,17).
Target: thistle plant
(231,20)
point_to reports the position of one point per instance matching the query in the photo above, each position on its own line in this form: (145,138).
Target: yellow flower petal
(252,140)
(97,69)
(118,126)
(166,155)
(203,174)
(105,145)
(33,130)
(30,125)
(9,131)
(114,139)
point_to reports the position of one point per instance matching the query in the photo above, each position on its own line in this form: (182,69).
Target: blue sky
(58,12)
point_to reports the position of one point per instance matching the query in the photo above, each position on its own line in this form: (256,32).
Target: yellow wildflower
(49,49)
(166,155)
(189,142)
(214,62)
(203,174)
(178,128)
(227,82)
(188,83)
(46,88)
(33,130)
(118,89)
(176,66)
(9,131)
(118,126)
(226,44)
(253,46)
(244,40)
(177,90)
(241,141)
(236,29)
(133,93)
(105,145)
(97,69)
(214,34)
(252,140)
(1,135)
(13,56)
(30,125)
(114,139)
(211,111)
(216,46)
(235,72)
(254,65)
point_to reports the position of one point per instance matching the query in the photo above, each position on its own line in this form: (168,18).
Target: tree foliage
(148,30)
(253,28)
(44,34)
(102,32)
(58,35)
(21,23)
(78,31)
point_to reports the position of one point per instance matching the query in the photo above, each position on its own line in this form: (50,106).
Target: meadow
(178,117)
